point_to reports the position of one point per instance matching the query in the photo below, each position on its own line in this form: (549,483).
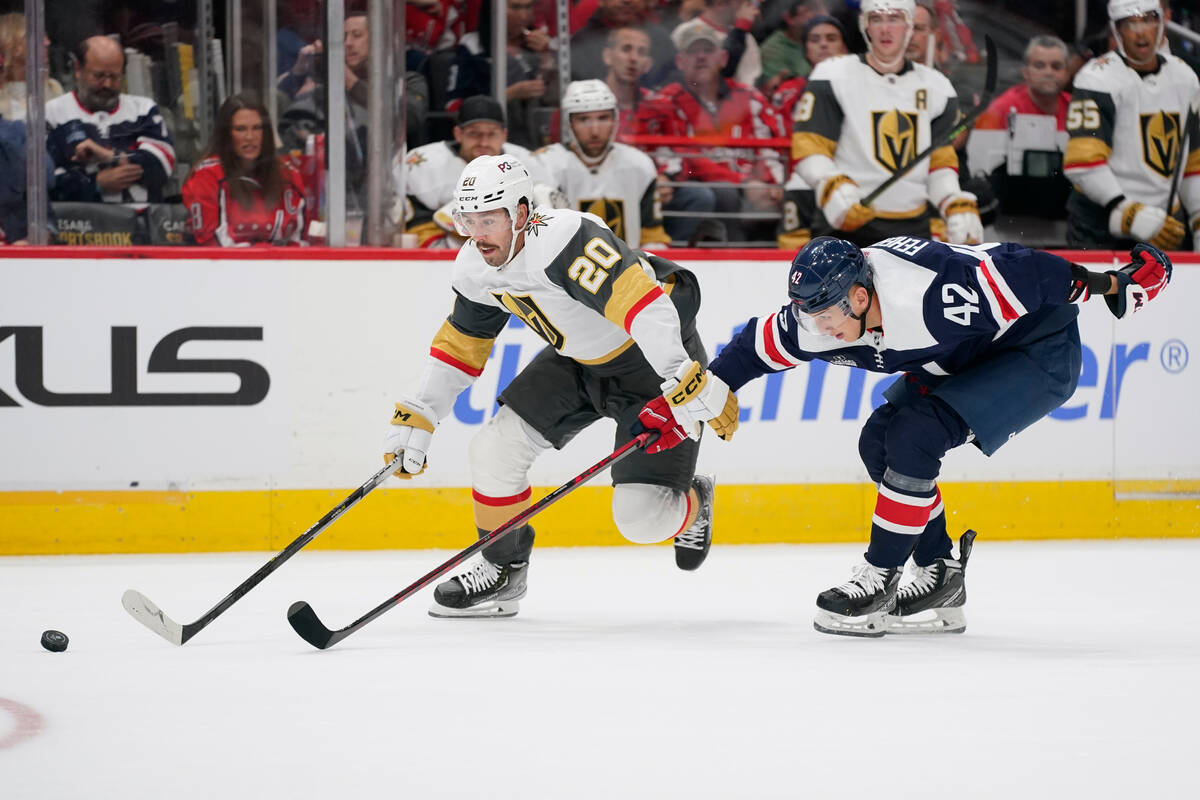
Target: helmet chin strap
(862,318)
(1121,44)
(512,246)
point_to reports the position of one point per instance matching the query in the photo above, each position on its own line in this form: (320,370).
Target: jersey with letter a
(872,125)
(215,217)
(1135,125)
(944,308)
(621,189)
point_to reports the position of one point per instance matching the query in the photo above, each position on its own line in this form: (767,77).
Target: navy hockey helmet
(821,277)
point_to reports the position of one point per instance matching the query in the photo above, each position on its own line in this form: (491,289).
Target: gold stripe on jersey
(1085,151)
(812,144)
(609,356)
(943,157)
(426,232)
(467,350)
(627,291)
(1161,140)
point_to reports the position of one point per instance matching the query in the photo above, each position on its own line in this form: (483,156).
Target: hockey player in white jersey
(1132,114)
(433,170)
(987,341)
(620,329)
(864,118)
(595,173)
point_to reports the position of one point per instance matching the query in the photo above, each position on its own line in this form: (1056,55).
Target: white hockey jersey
(1133,126)
(622,190)
(575,284)
(432,174)
(872,125)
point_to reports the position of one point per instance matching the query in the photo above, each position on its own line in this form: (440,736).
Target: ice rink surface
(622,677)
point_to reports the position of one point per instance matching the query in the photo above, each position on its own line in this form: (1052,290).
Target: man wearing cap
(730,21)
(433,169)
(703,104)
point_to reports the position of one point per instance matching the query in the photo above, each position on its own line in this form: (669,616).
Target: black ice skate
(691,545)
(859,606)
(932,602)
(484,590)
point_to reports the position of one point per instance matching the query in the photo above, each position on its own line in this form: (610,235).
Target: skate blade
(934,620)
(870,626)
(495,609)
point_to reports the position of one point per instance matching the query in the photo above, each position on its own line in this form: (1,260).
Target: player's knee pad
(871,441)
(919,434)
(502,452)
(646,514)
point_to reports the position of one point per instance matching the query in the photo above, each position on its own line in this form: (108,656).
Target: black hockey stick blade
(146,612)
(305,622)
(989,89)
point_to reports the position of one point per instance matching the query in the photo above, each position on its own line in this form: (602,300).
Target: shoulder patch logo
(536,222)
(415,159)
(895,138)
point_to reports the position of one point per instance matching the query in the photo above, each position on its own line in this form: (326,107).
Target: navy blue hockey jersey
(944,308)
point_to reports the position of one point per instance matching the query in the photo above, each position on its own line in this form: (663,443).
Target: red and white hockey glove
(1140,281)
(657,416)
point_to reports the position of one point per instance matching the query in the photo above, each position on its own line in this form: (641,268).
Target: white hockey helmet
(489,183)
(1122,9)
(906,7)
(590,95)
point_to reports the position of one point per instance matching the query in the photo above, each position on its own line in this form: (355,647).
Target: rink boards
(186,403)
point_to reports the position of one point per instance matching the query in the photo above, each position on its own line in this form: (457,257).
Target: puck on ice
(54,641)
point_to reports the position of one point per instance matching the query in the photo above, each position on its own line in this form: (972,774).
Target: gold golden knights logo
(1160,141)
(532,315)
(609,209)
(895,134)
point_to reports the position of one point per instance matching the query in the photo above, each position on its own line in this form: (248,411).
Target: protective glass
(825,322)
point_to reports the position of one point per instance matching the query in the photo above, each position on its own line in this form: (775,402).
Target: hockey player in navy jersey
(987,341)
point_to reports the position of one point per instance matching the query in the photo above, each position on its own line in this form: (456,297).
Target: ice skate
(483,590)
(859,606)
(932,602)
(691,546)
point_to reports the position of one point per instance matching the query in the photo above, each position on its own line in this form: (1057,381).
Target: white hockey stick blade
(150,615)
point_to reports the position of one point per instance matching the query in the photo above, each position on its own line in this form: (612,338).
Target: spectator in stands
(531,73)
(706,104)
(731,20)
(14,224)
(783,52)
(432,170)
(107,146)
(12,68)
(587,44)
(1035,184)
(924,47)
(627,56)
(240,193)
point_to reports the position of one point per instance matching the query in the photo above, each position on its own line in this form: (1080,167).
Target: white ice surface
(621,677)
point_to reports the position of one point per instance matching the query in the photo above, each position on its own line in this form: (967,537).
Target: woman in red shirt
(240,193)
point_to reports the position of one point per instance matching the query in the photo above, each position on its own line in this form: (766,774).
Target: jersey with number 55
(1133,125)
(575,284)
(944,308)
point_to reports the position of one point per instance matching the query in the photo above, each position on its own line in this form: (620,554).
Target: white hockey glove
(409,436)
(546,195)
(840,199)
(695,395)
(961,212)
(1133,220)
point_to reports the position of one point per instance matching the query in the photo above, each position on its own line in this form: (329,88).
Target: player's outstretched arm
(1128,289)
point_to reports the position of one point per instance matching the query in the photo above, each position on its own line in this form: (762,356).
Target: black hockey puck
(54,641)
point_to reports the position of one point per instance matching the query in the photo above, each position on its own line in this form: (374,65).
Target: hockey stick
(306,623)
(989,88)
(150,615)
(1177,173)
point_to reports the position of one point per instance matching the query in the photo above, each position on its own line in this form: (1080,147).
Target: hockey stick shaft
(144,611)
(310,628)
(1177,173)
(989,88)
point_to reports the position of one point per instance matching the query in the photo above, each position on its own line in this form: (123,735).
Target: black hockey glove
(1140,281)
